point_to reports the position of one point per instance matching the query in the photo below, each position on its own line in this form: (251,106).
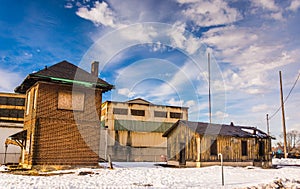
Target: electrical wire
(286,98)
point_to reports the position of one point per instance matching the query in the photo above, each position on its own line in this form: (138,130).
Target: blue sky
(157,50)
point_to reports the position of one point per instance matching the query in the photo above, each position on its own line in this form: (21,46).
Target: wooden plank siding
(197,147)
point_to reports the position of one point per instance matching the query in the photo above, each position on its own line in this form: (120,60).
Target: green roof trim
(70,81)
(142,126)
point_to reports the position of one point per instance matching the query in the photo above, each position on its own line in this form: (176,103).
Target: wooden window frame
(244,147)
(161,114)
(120,111)
(176,115)
(213,147)
(261,148)
(136,112)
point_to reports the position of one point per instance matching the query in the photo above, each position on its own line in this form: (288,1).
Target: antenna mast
(209,94)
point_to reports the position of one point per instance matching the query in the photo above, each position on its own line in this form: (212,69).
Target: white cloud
(210,12)
(190,103)
(294,6)
(252,55)
(126,92)
(220,115)
(11,80)
(68,5)
(260,108)
(139,33)
(100,14)
(270,9)
(266,4)
(174,102)
(277,16)
(250,52)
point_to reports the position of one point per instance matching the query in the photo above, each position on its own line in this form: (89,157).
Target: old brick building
(62,115)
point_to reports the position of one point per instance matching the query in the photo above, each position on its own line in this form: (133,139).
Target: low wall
(131,154)
(265,164)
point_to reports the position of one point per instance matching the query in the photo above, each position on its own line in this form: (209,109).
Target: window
(68,100)
(160,114)
(20,101)
(213,148)
(13,113)
(12,101)
(244,148)
(137,112)
(4,113)
(28,103)
(175,115)
(34,98)
(3,100)
(261,147)
(120,111)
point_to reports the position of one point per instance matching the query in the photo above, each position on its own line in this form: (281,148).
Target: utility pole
(283,117)
(268,126)
(209,95)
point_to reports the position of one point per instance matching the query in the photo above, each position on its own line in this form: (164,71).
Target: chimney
(95,68)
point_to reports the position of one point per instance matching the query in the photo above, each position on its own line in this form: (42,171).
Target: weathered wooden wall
(139,139)
(197,147)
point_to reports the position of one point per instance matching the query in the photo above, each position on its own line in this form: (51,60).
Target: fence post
(222,170)
(4,161)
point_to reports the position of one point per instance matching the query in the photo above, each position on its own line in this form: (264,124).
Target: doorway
(182,160)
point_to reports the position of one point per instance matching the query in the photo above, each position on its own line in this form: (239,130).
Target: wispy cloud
(265,4)
(294,6)
(100,14)
(250,42)
(9,80)
(210,13)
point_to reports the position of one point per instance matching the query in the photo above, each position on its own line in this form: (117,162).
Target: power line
(286,98)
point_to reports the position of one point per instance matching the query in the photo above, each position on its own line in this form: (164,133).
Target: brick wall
(60,136)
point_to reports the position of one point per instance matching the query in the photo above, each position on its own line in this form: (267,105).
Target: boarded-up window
(244,148)
(214,148)
(175,115)
(137,112)
(68,100)
(120,111)
(160,114)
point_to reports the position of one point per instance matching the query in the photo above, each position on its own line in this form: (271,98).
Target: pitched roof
(64,72)
(219,129)
(144,102)
(139,101)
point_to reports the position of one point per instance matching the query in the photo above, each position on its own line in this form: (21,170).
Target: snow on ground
(148,175)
